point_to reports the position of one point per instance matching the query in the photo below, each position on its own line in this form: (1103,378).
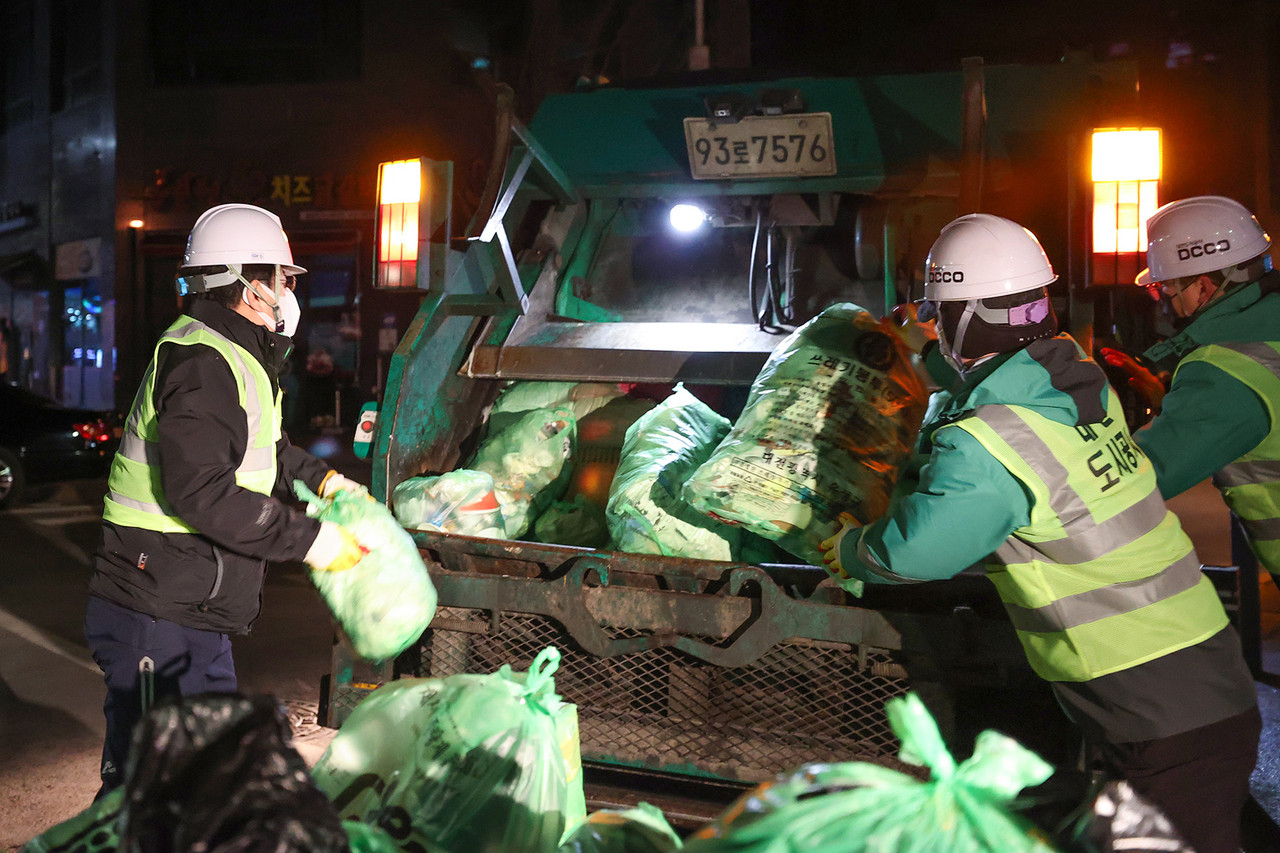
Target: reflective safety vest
(1102,578)
(1251,484)
(135,492)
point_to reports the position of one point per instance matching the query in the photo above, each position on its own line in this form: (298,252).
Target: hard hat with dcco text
(1198,235)
(981,255)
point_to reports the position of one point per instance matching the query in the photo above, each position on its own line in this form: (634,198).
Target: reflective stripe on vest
(1102,578)
(135,492)
(1251,484)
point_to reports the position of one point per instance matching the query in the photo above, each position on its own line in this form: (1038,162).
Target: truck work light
(687,217)
(399,198)
(1126,176)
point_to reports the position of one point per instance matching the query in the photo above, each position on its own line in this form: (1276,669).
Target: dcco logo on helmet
(937,275)
(1198,249)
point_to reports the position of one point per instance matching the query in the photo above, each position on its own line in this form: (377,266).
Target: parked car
(42,441)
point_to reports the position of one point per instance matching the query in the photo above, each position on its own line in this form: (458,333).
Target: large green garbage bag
(94,830)
(530,463)
(858,807)
(384,602)
(643,829)
(645,512)
(463,763)
(461,501)
(828,423)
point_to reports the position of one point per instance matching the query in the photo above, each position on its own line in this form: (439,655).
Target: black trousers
(1199,779)
(185,661)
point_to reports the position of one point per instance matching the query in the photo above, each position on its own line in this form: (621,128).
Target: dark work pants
(186,661)
(1199,779)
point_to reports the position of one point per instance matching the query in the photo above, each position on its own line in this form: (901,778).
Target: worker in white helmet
(1025,464)
(192,513)
(1209,260)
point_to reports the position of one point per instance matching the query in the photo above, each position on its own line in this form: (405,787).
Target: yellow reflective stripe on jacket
(1251,484)
(1102,578)
(135,496)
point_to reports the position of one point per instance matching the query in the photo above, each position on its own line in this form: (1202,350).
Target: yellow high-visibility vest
(1102,578)
(135,493)
(1251,484)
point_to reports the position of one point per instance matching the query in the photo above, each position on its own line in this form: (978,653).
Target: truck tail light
(1126,177)
(399,199)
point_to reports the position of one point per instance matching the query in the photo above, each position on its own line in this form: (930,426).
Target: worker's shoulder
(181,361)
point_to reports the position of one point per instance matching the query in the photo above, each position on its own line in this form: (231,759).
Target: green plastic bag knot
(542,673)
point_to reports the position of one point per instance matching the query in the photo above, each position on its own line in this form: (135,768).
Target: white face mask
(290,313)
(285,314)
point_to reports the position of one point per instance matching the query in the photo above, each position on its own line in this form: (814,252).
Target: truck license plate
(795,145)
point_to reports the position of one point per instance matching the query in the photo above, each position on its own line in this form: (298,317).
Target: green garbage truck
(634,239)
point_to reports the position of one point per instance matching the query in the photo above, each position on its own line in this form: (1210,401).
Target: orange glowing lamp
(1126,176)
(399,201)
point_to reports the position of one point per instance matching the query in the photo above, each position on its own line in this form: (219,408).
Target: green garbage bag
(94,830)
(829,421)
(645,512)
(385,601)
(643,829)
(577,522)
(463,763)
(521,397)
(530,463)
(461,501)
(859,807)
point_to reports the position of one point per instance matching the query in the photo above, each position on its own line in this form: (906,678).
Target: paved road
(51,692)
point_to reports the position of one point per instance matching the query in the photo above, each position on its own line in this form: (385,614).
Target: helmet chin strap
(950,350)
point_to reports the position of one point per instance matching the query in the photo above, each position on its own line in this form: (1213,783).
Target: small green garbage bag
(828,423)
(643,829)
(530,462)
(462,763)
(645,512)
(94,830)
(461,501)
(523,396)
(859,807)
(385,601)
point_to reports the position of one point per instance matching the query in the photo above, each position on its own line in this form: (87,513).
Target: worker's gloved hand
(335,549)
(1140,378)
(334,482)
(915,334)
(830,547)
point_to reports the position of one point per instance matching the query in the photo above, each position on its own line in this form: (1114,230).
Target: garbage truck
(689,674)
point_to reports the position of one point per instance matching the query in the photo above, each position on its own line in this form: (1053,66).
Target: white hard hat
(1201,234)
(233,235)
(981,255)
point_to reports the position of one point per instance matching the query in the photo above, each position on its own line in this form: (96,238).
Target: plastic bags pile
(461,501)
(463,763)
(213,772)
(856,807)
(530,463)
(828,423)
(385,601)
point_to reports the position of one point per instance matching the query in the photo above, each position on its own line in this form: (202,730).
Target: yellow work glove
(830,547)
(335,549)
(334,482)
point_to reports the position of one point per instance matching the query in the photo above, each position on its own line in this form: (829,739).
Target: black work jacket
(210,580)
